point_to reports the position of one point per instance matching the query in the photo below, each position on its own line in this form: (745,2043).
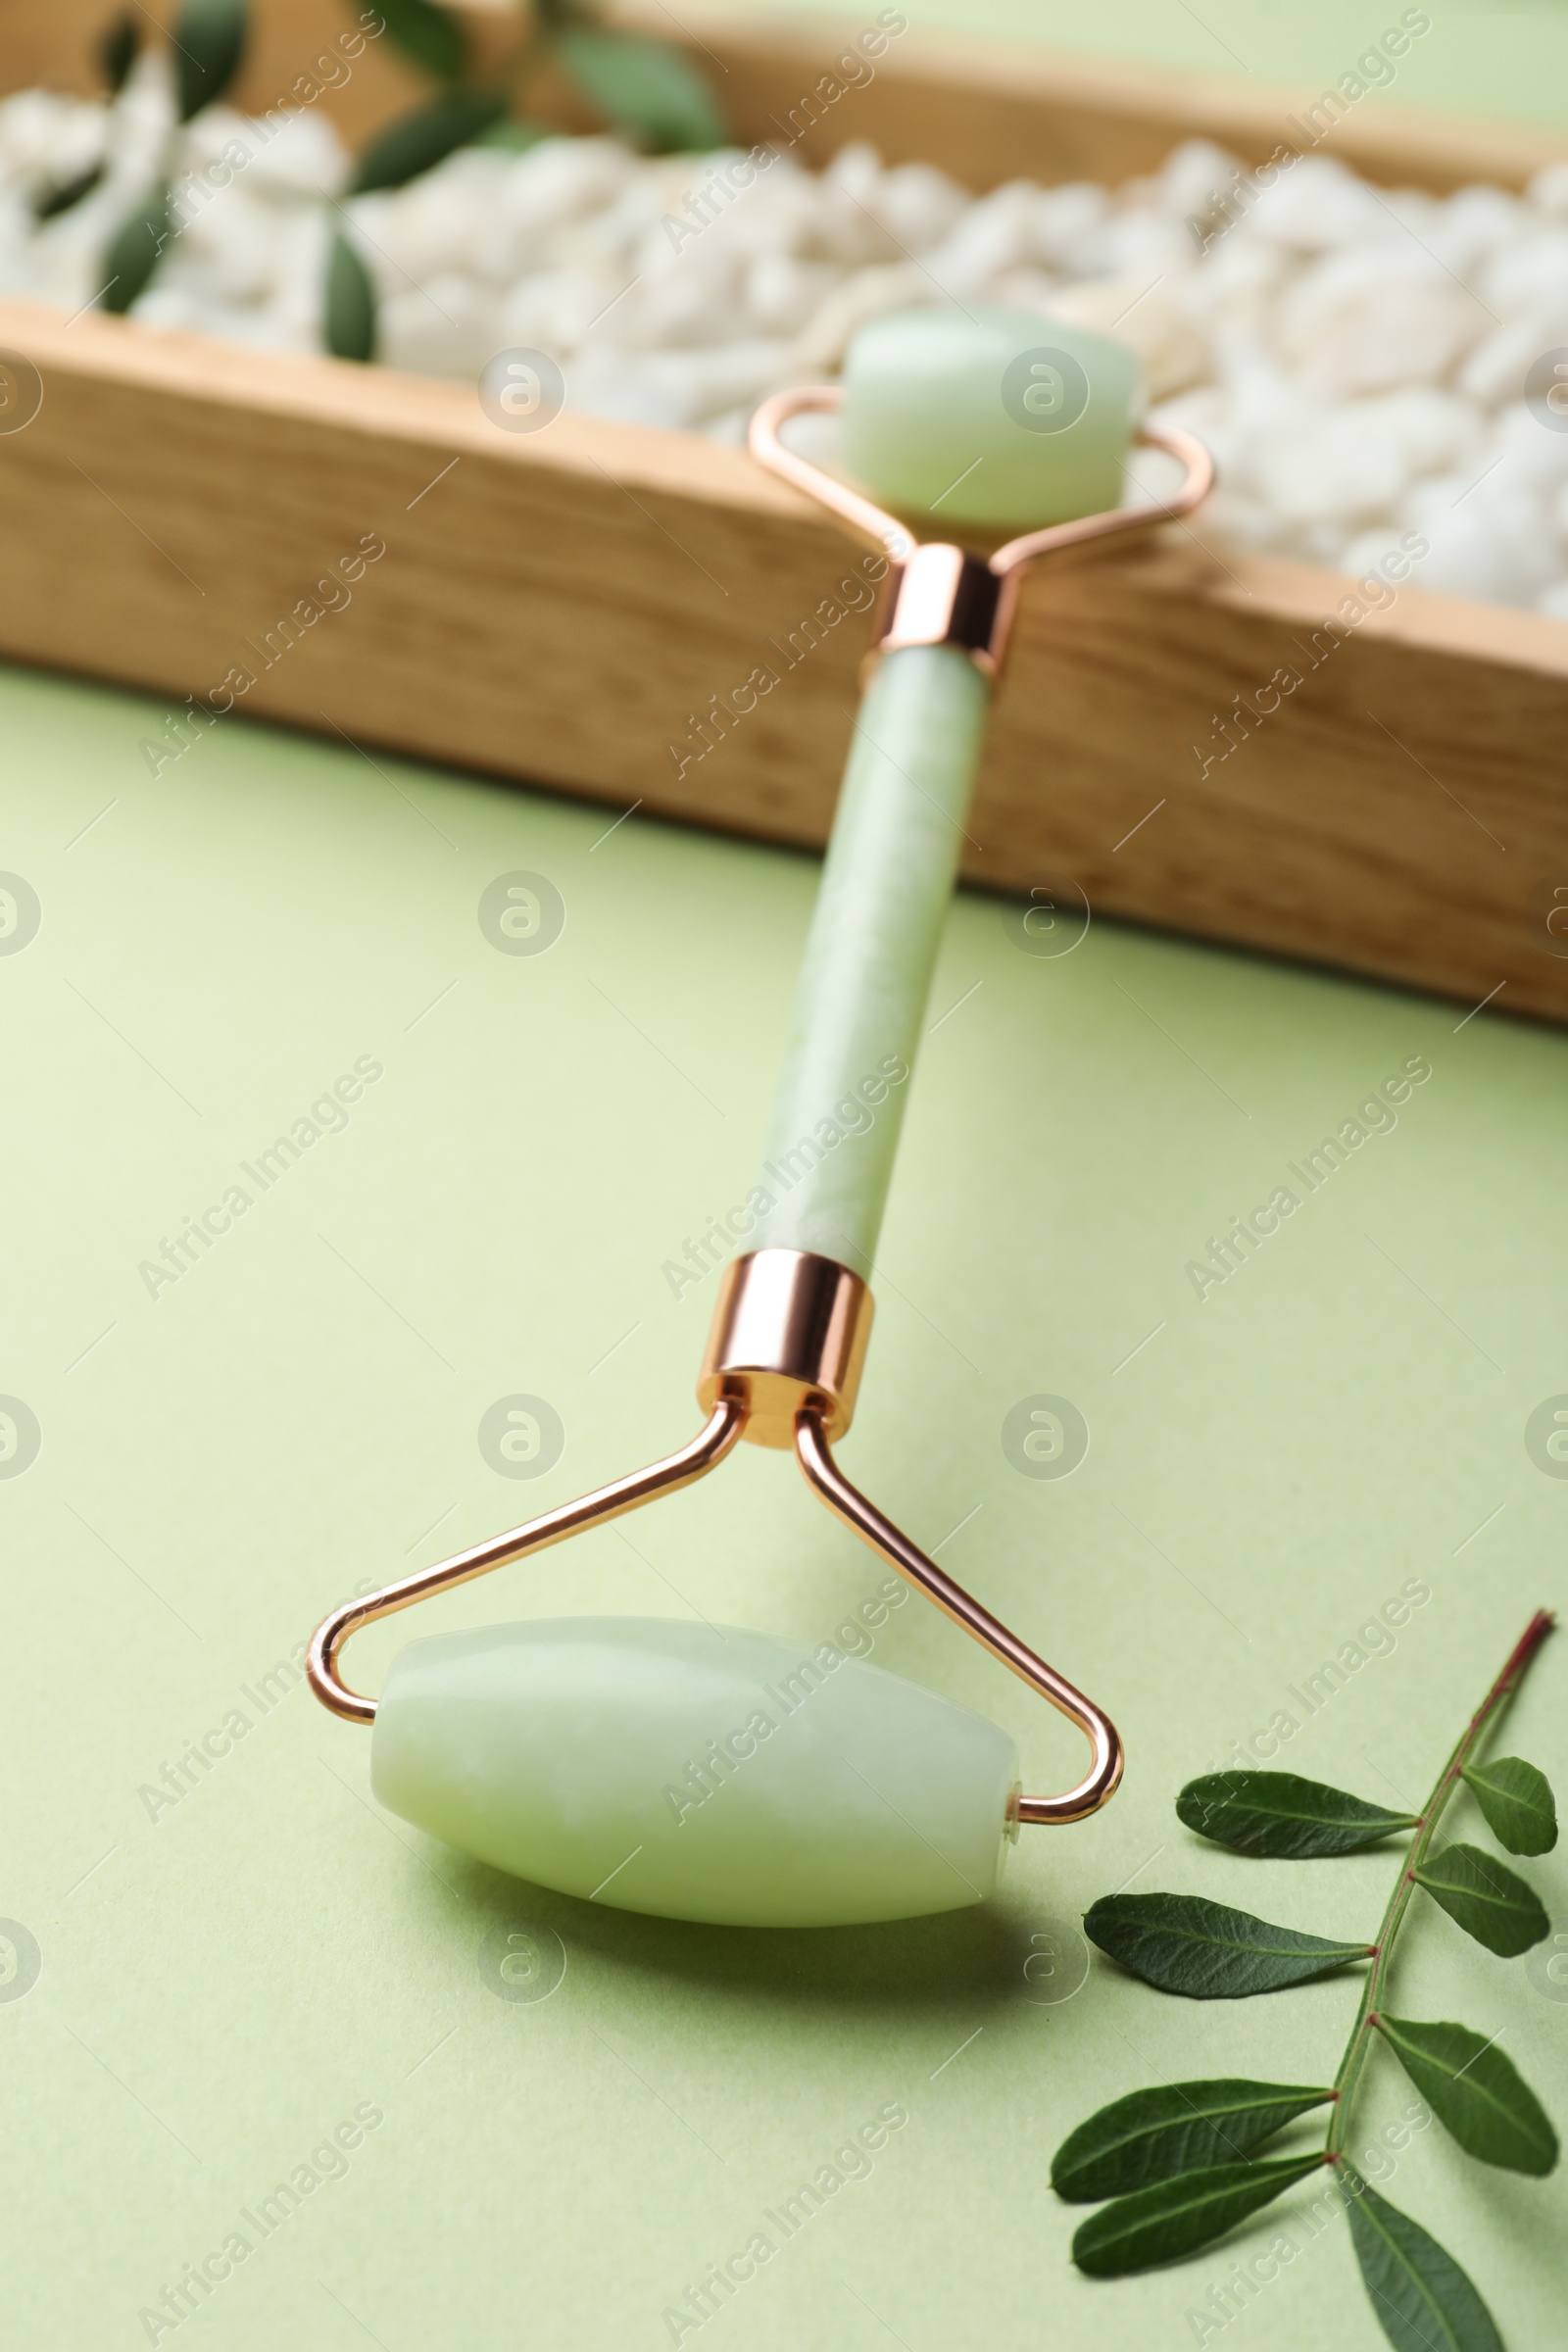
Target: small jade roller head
(990,418)
(1005,423)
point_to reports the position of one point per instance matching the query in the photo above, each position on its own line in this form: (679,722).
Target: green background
(1481,56)
(223,1984)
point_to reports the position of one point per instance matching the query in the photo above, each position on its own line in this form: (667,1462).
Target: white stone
(845,232)
(1366,320)
(230,251)
(870,294)
(1496,370)
(292,154)
(1196,177)
(1233,519)
(1384,553)
(1173,351)
(1064,225)
(782,293)
(1027,288)
(422,229)
(1346,466)
(31,122)
(1239,286)
(692,309)
(1147,246)
(1489,548)
(553,312)
(995,235)
(1548,191)
(1475,223)
(1535,455)
(562,178)
(1527,274)
(1316,206)
(447,328)
(1434,429)
(917,205)
(1355,357)
(682,389)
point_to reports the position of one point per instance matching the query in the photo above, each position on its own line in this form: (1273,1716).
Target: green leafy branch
(207,41)
(647,90)
(117,48)
(1177,2162)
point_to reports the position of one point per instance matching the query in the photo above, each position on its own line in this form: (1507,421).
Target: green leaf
(432,36)
(1177,2217)
(1182,1944)
(1276,1813)
(50,203)
(1154,2135)
(518,137)
(1489,1902)
(651,94)
(349,320)
(134,250)
(209,40)
(417,142)
(1517,1802)
(1476,2092)
(119,47)
(1423,2300)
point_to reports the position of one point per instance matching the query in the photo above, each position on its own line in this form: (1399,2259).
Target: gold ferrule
(942,595)
(788,1330)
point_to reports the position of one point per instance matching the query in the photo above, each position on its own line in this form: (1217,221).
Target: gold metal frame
(941,594)
(705,1452)
(783,1360)
(786,1347)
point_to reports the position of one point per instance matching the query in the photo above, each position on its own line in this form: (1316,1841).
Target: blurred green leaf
(349,315)
(651,93)
(1517,1802)
(50,203)
(1476,2092)
(1176,2217)
(1182,1944)
(1155,2135)
(1488,1900)
(1422,2299)
(208,41)
(134,249)
(417,142)
(432,36)
(119,47)
(518,137)
(1278,1814)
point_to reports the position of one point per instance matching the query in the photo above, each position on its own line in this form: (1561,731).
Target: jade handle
(862,990)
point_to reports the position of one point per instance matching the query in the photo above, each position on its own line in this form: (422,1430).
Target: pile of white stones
(1356,358)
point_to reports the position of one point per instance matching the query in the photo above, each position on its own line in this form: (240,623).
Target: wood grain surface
(594,606)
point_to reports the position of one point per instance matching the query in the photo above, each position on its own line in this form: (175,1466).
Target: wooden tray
(560,608)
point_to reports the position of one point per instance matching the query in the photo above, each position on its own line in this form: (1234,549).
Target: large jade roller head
(711,1773)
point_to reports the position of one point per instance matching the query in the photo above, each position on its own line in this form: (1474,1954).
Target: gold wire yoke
(705,1452)
(788,1338)
(939,594)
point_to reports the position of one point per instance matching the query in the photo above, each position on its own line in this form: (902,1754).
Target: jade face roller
(711,1773)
